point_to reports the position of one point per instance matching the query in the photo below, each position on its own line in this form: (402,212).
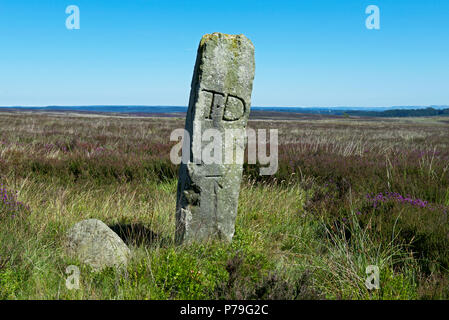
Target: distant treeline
(428,112)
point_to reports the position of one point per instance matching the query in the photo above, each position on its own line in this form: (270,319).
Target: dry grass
(289,240)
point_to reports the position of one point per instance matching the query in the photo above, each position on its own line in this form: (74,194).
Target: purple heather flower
(389,196)
(9,203)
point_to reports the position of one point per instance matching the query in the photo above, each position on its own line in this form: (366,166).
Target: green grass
(278,251)
(290,243)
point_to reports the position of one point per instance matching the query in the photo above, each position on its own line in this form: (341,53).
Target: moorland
(349,192)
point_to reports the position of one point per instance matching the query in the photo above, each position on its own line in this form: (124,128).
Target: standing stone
(220,99)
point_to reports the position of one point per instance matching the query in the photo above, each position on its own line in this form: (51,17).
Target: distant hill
(427,112)
(264,112)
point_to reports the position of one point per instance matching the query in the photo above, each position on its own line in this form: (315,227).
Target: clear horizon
(310,54)
(253,106)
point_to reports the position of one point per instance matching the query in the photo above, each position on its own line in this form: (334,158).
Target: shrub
(10,207)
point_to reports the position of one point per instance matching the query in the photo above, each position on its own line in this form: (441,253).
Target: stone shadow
(138,234)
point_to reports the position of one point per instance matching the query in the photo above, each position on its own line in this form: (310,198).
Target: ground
(349,193)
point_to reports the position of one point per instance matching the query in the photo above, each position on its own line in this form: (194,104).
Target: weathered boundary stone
(220,99)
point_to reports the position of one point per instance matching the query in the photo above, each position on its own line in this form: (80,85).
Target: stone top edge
(219,35)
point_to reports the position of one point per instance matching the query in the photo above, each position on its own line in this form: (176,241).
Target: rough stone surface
(95,244)
(220,98)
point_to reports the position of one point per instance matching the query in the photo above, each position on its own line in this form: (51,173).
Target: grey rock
(220,98)
(96,245)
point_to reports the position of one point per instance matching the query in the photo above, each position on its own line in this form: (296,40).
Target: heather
(349,192)
(10,207)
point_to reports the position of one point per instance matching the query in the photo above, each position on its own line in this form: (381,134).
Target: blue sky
(142,52)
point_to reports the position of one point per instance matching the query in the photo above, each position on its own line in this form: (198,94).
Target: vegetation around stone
(348,193)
